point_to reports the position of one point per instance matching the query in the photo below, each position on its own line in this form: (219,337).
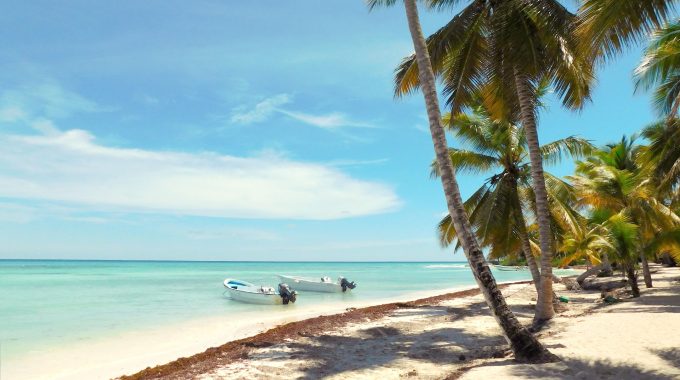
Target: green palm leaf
(607,27)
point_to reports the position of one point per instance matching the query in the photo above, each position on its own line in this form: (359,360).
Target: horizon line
(227,261)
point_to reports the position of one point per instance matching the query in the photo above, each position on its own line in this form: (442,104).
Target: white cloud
(147,99)
(47,99)
(15,213)
(72,167)
(11,114)
(44,126)
(330,121)
(265,109)
(422,128)
(262,110)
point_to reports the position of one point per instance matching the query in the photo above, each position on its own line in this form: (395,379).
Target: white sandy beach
(635,339)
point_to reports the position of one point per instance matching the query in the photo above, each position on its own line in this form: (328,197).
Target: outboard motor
(346,284)
(286,294)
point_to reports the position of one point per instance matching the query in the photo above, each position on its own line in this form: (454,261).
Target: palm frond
(573,146)
(379,3)
(661,58)
(461,34)
(466,161)
(607,27)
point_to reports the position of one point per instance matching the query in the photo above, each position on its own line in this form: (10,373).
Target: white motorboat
(324,284)
(244,291)
(510,268)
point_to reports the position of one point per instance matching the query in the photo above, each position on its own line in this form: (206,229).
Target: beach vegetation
(495,59)
(497,209)
(506,50)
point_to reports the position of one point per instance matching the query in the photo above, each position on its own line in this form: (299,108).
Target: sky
(232,130)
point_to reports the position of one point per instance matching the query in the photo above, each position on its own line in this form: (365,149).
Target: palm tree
(607,27)
(497,208)
(664,154)
(523,344)
(624,235)
(660,67)
(505,49)
(614,180)
(589,241)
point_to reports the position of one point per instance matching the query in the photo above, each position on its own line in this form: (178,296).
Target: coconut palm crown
(660,69)
(663,154)
(497,209)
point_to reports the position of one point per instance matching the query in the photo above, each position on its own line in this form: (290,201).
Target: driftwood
(600,285)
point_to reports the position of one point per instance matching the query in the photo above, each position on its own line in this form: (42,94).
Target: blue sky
(213,130)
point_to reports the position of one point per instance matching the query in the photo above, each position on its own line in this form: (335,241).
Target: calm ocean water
(47,303)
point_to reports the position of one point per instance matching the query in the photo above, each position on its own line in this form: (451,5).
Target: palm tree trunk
(606,265)
(632,280)
(524,238)
(645,269)
(544,305)
(531,262)
(524,345)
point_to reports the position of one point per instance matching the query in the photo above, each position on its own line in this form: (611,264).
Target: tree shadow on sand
(670,355)
(328,355)
(459,313)
(580,369)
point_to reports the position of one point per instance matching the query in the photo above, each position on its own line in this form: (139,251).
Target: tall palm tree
(497,208)
(660,67)
(613,179)
(505,49)
(524,345)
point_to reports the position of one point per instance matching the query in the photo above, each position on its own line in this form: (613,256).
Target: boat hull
(245,292)
(306,285)
(509,268)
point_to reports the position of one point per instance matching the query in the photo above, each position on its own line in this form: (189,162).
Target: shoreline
(454,336)
(179,340)
(458,338)
(239,348)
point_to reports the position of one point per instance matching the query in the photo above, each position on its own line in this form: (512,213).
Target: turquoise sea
(48,303)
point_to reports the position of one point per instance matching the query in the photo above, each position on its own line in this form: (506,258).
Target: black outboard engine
(286,294)
(346,284)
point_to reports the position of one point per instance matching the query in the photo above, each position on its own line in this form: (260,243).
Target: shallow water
(48,303)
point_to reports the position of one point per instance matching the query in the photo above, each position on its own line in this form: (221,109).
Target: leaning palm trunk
(645,269)
(544,304)
(590,272)
(524,345)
